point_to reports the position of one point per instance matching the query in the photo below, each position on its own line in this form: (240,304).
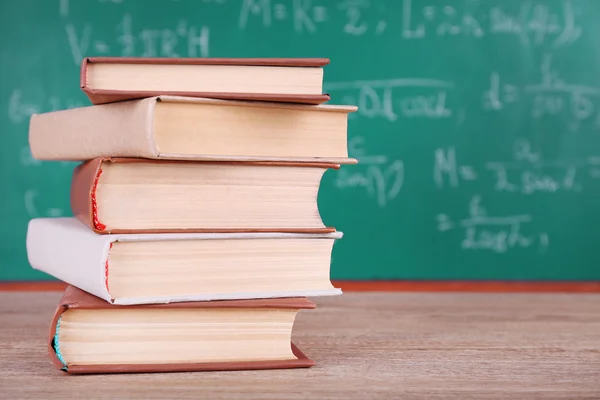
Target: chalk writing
(304,16)
(485,232)
(361,17)
(550,97)
(498,94)
(261,8)
(32,209)
(384,98)
(20,109)
(26,158)
(403,26)
(445,165)
(443,20)
(381,177)
(181,40)
(79,43)
(355,23)
(594,170)
(534,23)
(527,173)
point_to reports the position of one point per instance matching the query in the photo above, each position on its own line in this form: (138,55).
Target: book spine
(121,129)
(83,193)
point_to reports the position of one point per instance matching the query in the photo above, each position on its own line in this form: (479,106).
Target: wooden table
(366,345)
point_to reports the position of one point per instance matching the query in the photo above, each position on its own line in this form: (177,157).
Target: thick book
(133,195)
(164,268)
(89,335)
(294,80)
(168,127)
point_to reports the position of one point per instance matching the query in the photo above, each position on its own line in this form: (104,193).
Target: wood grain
(366,345)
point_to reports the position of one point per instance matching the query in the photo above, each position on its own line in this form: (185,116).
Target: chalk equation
(380,176)
(487,232)
(183,39)
(551,96)
(531,23)
(386,99)
(302,14)
(527,173)
(20,107)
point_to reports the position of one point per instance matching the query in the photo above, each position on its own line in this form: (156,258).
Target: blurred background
(478,130)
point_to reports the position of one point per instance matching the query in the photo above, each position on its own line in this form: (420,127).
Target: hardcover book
(89,335)
(168,127)
(129,195)
(295,80)
(161,268)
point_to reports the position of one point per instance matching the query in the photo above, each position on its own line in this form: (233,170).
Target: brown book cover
(75,298)
(86,175)
(101,96)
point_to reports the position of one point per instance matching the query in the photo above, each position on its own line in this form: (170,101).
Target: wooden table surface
(366,345)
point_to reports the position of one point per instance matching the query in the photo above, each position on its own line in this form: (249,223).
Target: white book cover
(68,250)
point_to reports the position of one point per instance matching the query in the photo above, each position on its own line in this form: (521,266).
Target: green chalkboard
(478,130)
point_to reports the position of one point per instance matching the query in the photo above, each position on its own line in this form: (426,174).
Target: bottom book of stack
(90,335)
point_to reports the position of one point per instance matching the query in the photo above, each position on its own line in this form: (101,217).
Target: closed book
(169,267)
(168,127)
(88,335)
(295,80)
(132,195)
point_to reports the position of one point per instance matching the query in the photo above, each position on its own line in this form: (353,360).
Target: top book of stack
(289,80)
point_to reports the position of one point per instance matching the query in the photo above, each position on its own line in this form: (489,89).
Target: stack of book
(196,236)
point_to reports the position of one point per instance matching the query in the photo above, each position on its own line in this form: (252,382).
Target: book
(169,127)
(297,80)
(168,267)
(131,195)
(89,335)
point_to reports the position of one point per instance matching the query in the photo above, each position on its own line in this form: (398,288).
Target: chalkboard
(478,130)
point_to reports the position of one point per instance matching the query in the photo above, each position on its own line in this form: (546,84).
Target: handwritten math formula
(531,23)
(380,177)
(551,96)
(482,230)
(408,133)
(526,174)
